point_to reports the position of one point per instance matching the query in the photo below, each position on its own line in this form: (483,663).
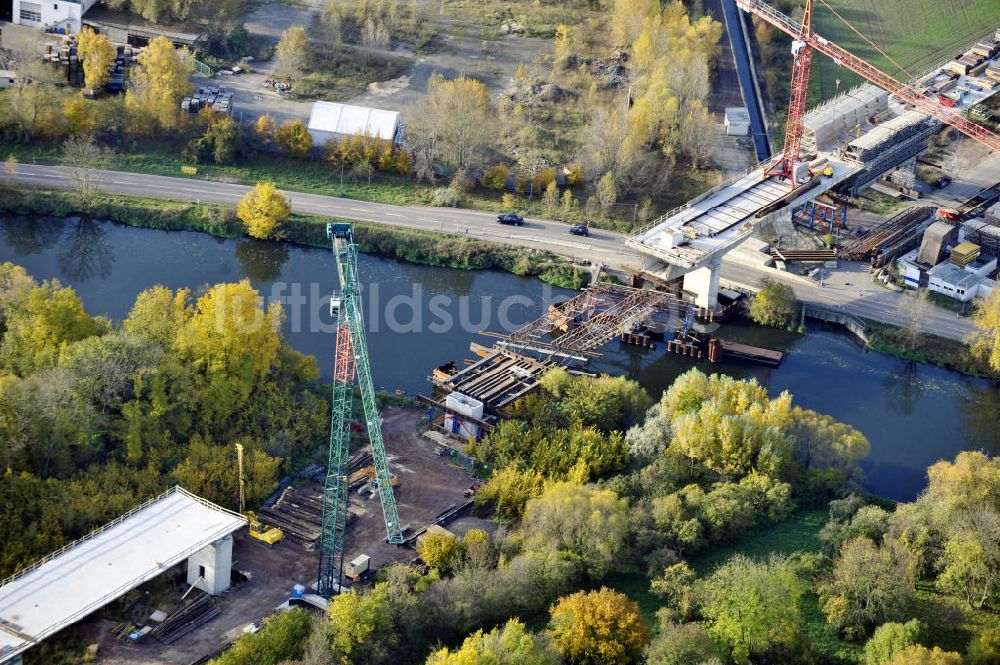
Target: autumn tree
(751,607)
(510,644)
(914,308)
(280,638)
(986,338)
(774,304)
(921,655)
(10,169)
(293,138)
(98,54)
(971,559)
(508,490)
(452,125)
(550,199)
(870,584)
(81,116)
(263,210)
(697,132)
(599,627)
(361,625)
(607,192)
(292,54)
(159,80)
(681,644)
(440,551)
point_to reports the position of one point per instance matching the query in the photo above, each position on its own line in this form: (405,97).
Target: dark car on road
(579,230)
(511,218)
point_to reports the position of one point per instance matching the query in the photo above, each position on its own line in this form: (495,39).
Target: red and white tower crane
(804,41)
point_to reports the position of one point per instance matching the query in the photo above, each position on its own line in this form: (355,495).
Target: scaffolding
(586,322)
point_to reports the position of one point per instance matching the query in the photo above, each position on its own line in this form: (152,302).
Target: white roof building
(330,119)
(85,575)
(737,121)
(65,15)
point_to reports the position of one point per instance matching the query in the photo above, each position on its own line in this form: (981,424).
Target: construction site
(191,577)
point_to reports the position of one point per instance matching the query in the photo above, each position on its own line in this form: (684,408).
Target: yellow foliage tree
(159,82)
(921,655)
(293,138)
(81,118)
(986,339)
(440,551)
(264,128)
(510,645)
(97,53)
(598,627)
(263,209)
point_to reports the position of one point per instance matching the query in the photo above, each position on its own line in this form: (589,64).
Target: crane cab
(342,231)
(336,302)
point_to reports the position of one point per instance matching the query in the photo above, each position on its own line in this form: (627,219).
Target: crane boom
(910,94)
(350,363)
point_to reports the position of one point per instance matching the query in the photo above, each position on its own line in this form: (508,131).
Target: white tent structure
(109,562)
(330,120)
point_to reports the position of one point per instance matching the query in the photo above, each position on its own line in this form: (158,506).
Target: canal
(419,317)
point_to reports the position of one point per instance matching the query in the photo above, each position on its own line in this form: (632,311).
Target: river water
(419,317)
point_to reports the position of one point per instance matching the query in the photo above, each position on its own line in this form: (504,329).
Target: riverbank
(420,247)
(928,349)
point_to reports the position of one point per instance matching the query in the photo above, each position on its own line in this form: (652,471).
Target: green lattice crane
(350,364)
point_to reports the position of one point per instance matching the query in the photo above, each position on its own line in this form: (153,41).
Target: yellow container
(190,170)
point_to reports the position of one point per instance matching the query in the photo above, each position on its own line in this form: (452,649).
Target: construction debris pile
(201,609)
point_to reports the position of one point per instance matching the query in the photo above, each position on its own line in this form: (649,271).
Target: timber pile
(889,233)
(299,515)
(199,611)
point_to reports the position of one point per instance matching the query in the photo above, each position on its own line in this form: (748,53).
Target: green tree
(971,560)
(440,551)
(599,627)
(675,586)
(869,585)
(263,210)
(281,638)
(587,523)
(293,138)
(774,305)
(889,639)
(510,645)
(681,644)
(752,608)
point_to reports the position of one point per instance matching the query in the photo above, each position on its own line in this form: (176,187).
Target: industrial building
(332,121)
(104,565)
(63,16)
(737,121)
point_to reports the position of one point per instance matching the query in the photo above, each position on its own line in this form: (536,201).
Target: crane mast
(804,41)
(350,365)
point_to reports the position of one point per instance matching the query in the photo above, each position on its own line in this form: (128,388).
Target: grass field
(918,34)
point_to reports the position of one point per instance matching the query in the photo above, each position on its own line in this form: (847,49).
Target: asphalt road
(859,297)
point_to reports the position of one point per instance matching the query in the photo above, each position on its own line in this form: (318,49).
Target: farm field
(918,34)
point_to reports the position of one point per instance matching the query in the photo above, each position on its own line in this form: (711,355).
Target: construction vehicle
(262,533)
(350,366)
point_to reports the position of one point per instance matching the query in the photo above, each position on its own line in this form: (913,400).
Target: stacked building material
(196,612)
(889,234)
(219,99)
(965,253)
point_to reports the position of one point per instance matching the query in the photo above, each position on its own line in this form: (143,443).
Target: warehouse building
(330,120)
(64,15)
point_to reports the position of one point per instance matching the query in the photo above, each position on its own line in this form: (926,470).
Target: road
(858,296)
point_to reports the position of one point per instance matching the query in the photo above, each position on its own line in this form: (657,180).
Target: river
(419,317)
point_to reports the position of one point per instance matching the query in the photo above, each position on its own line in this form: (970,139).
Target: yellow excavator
(268,535)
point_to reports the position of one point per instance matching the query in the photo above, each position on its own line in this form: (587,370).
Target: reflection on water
(85,253)
(912,414)
(903,389)
(261,261)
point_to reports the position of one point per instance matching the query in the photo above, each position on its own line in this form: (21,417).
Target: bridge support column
(211,568)
(704,283)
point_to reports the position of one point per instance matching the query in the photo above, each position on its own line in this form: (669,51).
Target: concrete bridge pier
(704,282)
